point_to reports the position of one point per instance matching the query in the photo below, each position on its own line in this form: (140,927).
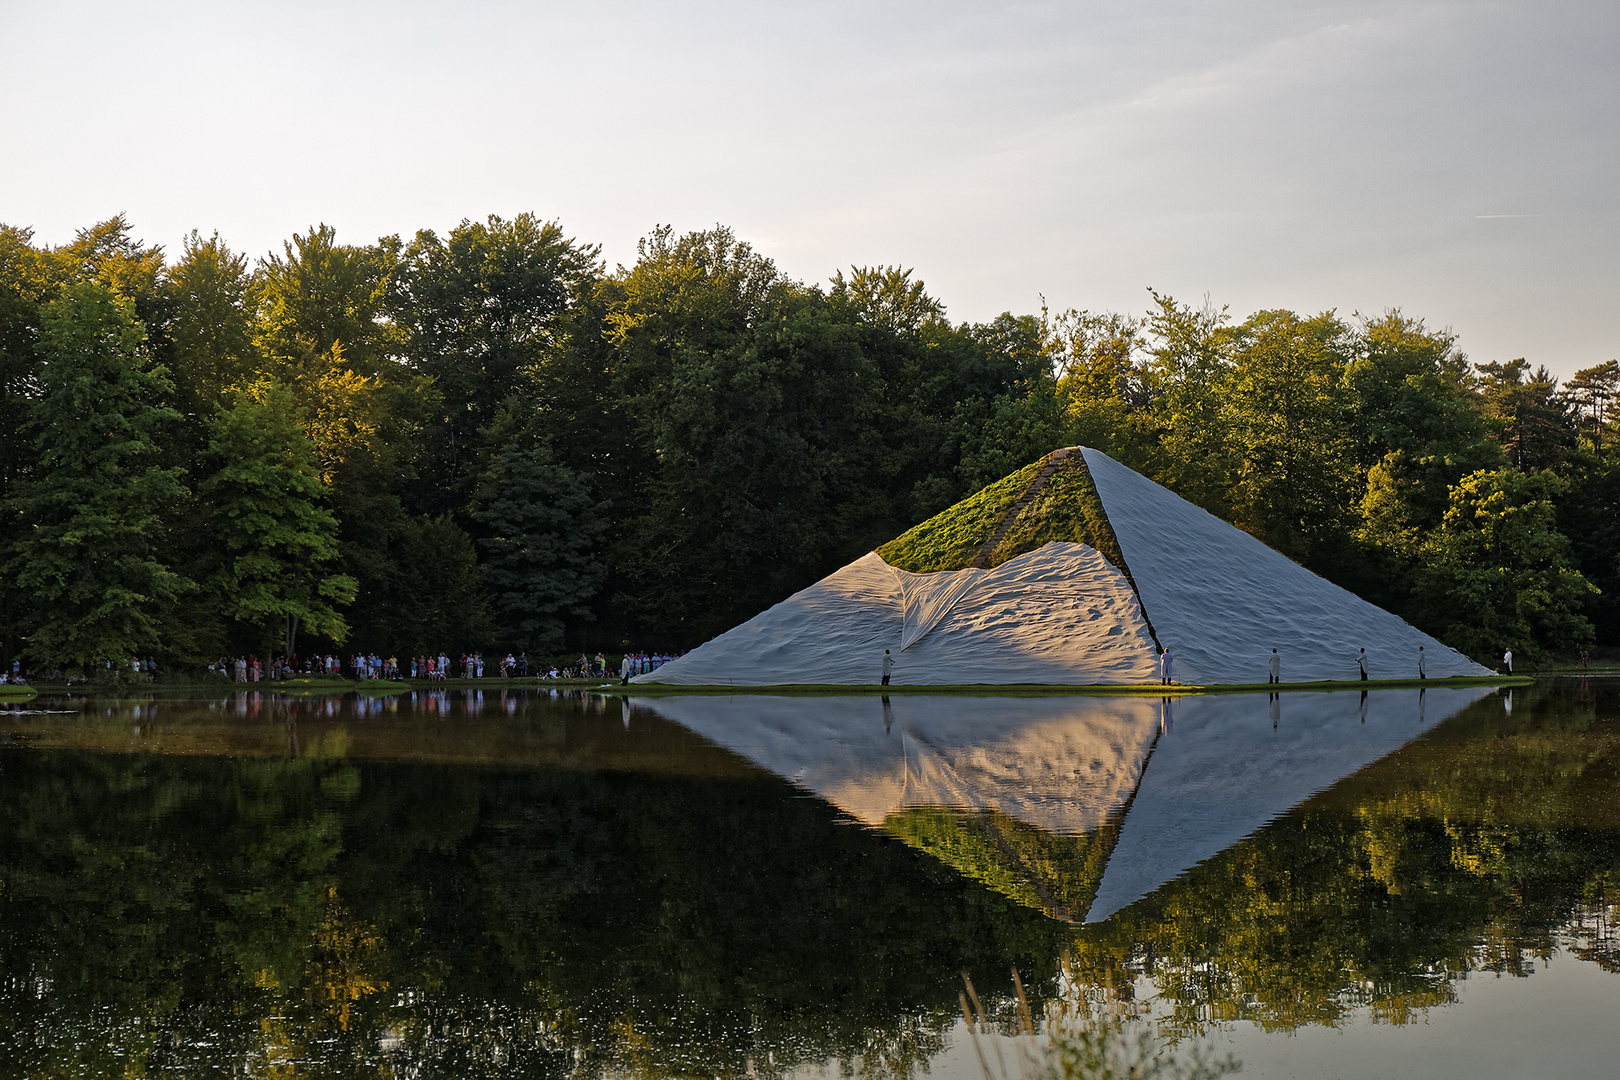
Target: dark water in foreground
(511,885)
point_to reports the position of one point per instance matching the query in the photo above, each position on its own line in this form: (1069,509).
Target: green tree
(1094,359)
(1526,415)
(209,325)
(1286,414)
(1185,377)
(1024,420)
(1589,514)
(1499,574)
(1410,394)
(429,593)
(478,310)
(1593,392)
(91,513)
(319,294)
(279,541)
(541,549)
(751,445)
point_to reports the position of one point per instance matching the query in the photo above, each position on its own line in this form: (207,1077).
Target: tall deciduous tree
(1285,407)
(1410,394)
(209,325)
(478,310)
(542,529)
(1500,574)
(279,540)
(1186,375)
(319,294)
(91,511)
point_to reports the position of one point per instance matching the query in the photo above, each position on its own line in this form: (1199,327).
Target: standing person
(1167,664)
(1423,670)
(1276,668)
(601,665)
(888,666)
(1361,663)
(1507,660)
(625,667)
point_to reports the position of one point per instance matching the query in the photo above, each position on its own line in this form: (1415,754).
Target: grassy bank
(1042,689)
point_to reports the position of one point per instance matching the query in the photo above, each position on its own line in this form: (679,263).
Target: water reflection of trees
(1486,846)
(206,913)
(196,913)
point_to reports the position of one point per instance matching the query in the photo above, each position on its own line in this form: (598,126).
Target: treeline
(491,439)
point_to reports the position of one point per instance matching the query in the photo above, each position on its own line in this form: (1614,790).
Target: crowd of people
(430,668)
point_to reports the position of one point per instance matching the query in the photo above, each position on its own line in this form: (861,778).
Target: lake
(529,883)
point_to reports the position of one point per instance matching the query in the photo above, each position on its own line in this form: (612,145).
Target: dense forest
(489,439)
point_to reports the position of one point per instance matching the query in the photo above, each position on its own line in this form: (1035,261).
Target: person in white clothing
(1166,666)
(1361,662)
(1507,661)
(888,666)
(1276,667)
(626,667)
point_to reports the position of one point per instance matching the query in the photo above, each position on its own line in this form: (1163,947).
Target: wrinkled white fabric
(928,598)
(1223,600)
(1063,765)
(1059,614)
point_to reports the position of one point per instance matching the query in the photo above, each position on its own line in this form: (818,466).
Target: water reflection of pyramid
(1071,571)
(1077,806)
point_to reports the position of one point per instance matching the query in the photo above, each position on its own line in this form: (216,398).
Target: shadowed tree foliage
(91,512)
(542,529)
(477,310)
(279,539)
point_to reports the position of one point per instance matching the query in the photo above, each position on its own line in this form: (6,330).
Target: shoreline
(612,688)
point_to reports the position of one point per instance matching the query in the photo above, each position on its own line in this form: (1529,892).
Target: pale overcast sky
(1460,161)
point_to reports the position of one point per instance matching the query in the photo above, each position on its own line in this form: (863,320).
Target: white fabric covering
(928,598)
(1219,771)
(1059,614)
(1063,765)
(1222,600)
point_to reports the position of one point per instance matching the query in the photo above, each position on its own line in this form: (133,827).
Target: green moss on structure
(1064,508)
(950,539)
(1057,875)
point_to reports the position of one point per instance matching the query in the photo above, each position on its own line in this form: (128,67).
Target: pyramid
(1075,570)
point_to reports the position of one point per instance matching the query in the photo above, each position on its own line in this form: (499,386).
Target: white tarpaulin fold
(928,598)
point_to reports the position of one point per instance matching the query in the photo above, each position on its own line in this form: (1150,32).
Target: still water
(511,884)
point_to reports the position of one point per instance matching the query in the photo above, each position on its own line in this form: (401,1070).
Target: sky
(1459,161)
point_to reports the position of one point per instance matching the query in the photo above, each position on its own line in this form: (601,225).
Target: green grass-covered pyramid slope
(1057,875)
(1051,499)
